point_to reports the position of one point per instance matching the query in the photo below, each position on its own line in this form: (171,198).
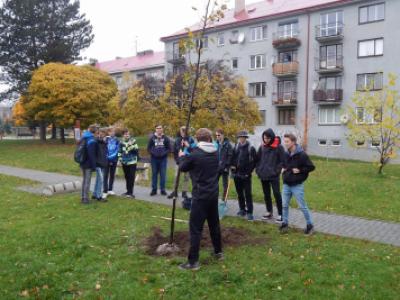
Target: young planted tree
(375,118)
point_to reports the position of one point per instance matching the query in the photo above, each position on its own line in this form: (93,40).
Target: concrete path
(346,226)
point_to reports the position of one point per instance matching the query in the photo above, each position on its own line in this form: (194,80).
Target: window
(331,56)
(140,76)
(360,143)
(221,39)
(369,81)
(330,83)
(235,63)
(371,13)
(331,24)
(364,117)
(257,89)
(286,116)
(234,37)
(263,117)
(370,47)
(287,56)
(329,116)
(257,61)
(258,33)
(287,90)
(336,143)
(288,30)
(202,42)
(322,142)
(118,80)
(376,142)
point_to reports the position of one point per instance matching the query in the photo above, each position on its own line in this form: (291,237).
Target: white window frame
(326,27)
(254,86)
(323,115)
(221,40)
(258,33)
(288,30)
(375,18)
(370,120)
(337,145)
(262,61)
(322,144)
(375,146)
(204,40)
(374,41)
(377,77)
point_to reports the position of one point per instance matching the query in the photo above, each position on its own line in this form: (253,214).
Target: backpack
(251,160)
(80,152)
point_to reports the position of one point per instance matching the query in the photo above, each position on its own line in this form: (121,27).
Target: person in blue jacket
(88,165)
(112,162)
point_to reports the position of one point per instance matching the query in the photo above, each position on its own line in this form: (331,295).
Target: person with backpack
(86,154)
(101,164)
(128,156)
(187,144)
(270,160)
(295,172)
(243,163)
(112,162)
(159,147)
(225,152)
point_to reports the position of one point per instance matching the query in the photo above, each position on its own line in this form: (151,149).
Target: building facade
(303,60)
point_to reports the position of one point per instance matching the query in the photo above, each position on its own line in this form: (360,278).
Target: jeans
(199,213)
(98,187)
(266,185)
(130,175)
(186,179)
(109,176)
(243,189)
(225,180)
(298,192)
(87,177)
(158,166)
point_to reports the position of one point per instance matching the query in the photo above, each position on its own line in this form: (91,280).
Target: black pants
(109,176)
(266,185)
(225,180)
(243,189)
(199,213)
(130,174)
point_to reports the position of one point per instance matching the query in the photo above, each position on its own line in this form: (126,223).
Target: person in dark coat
(225,152)
(243,163)
(202,164)
(101,164)
(159,147)
(295,172)
(270,160)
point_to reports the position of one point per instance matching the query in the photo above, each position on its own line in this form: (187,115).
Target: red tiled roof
(138,62)
(263,9)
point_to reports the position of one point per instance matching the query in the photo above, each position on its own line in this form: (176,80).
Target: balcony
(284,98)
(330,64)
(286,40)
(329,32)
(175,58)
(328,96)
(285,69)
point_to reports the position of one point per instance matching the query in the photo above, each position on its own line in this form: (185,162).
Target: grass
(54,248)
(337,186)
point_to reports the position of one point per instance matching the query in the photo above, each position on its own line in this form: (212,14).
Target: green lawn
(54,248)
(337,186)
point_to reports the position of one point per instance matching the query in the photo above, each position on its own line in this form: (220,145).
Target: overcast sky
(118,23)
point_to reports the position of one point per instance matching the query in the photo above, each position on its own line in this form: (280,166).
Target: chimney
(240,6)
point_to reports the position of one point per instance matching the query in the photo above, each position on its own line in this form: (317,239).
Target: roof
(263,9)
(138,62)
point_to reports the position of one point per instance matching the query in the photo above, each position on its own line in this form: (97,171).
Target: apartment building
(302,61)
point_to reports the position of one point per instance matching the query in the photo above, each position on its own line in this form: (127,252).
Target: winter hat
(243,133)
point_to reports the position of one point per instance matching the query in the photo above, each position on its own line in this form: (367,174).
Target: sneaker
(284,228)
(250,217)
(241,213)
(164,193)
(129,195)
(124,195)
(278,219)
(188,266)
(170,196)
(309,229)
(267,216)
(153,193)
(219,256)
(111,193)
(104,196)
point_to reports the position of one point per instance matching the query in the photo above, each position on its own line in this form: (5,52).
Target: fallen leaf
(24,293)
(98,286)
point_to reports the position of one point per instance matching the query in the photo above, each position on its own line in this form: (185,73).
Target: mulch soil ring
(232,237)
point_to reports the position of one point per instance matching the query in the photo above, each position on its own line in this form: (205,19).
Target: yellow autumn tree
(62,94)
(19,114)
(374,118)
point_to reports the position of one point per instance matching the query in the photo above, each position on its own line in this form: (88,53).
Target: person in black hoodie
(295,172)
(159,148)
(243,163)
(225,152)
(270,160)
(202,163)
(101,164)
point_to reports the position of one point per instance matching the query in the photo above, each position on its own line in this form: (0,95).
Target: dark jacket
(243,160)
(225,152)
(101,160)
(202,163)
(270,157)
(159,147)
(91,151)
(300,160)
(178,146)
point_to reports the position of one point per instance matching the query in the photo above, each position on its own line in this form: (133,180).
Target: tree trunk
(62,134)
(53,132)
(42,131)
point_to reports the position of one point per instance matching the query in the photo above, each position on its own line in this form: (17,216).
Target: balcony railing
(284,69)
(330,64)
(328,96)
(283,39)
(329,32)
(284,98)
(175,57)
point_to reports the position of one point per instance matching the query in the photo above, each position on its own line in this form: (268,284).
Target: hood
(269,133)
(207,147)
(298,150)
(87,135)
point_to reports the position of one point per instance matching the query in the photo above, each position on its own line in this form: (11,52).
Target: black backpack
(80,152)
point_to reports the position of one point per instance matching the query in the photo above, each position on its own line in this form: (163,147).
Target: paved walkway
(353,227)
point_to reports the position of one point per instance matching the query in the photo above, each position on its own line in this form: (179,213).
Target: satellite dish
(241,38)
